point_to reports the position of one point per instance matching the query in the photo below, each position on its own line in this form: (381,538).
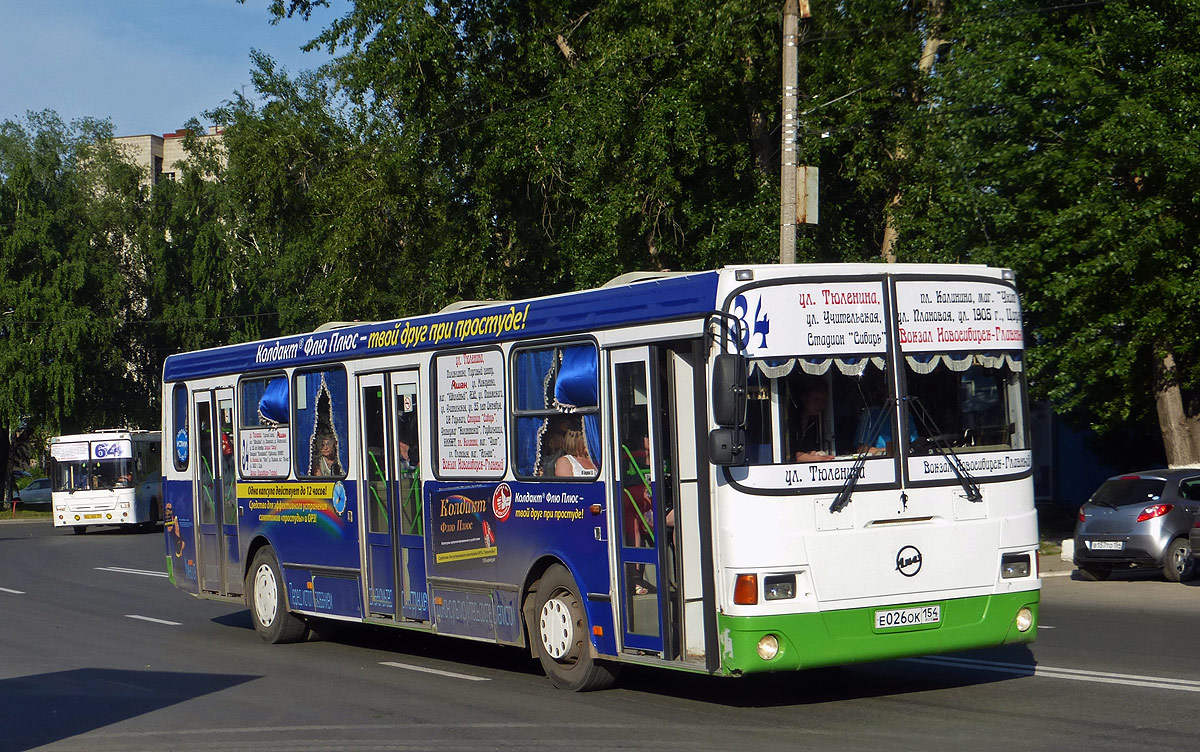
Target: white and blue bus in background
(106,477)
(758,468)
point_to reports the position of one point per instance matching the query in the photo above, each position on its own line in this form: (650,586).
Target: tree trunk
(1180,431)
(933,43)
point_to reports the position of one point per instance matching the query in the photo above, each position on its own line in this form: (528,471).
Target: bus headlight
(1014,565)
(1024,619)
(124,504)
(768,647)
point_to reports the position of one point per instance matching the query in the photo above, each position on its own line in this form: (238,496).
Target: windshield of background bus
(92,474)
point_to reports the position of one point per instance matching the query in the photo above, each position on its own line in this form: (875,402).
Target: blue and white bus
(697,471)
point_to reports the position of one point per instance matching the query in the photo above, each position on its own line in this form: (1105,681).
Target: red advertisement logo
(502,502)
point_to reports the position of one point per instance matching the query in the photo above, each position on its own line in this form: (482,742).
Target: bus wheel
(268,601)
(560,636)
(80,529)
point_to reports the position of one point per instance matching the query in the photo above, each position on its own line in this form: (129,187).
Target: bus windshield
(72,471)
(971,402)
(805,410)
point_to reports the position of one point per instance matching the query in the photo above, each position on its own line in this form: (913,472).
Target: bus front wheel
(561,638)
(268,601)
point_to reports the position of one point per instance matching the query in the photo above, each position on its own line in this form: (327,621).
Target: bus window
(404,402)
(971,402)
(557,412)
(179,419)
(263,431)
(319,398)
(809,411)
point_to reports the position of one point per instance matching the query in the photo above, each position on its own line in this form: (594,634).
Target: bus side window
(556,397)
(319,401)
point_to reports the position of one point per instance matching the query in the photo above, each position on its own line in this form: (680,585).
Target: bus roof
(629,299)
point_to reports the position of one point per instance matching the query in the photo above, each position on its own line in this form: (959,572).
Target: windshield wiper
(843,497)
(943,447)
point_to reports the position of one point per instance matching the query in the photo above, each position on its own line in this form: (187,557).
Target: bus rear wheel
(268,601)
(560,636)
(80,529)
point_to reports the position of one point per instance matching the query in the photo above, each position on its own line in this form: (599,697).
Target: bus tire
(80,529)
(267,598)
(560,636)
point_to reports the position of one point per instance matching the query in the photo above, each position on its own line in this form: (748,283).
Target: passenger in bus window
(552,445)
(326,462)
(406,440)
(808,425)
(574,463)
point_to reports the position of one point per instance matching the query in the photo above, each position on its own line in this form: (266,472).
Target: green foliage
(499,149)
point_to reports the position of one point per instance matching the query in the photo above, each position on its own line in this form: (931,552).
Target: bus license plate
(1106,545)
(91,516)
(908,617)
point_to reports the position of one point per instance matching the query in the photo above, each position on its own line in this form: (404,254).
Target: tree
(1066,148)
(64,225)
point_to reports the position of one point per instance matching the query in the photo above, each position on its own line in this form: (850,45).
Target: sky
(147,65)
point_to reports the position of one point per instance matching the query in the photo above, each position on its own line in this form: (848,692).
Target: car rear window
(1121,492)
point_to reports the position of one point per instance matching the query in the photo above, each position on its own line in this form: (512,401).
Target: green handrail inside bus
(375,492)
(412,500)
(644,475)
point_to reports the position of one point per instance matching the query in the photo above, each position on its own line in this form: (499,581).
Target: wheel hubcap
(557,628)
(266,595)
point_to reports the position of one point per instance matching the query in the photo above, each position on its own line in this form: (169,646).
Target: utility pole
(787,178)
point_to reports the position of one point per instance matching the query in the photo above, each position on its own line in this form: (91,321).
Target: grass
(6,513)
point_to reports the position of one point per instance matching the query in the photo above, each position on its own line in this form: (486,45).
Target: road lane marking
(14,592)
(156,621)
(450,674)
(1044,575)
(1073,674)
(127,570)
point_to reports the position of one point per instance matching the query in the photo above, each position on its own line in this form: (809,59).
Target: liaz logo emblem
(908,561)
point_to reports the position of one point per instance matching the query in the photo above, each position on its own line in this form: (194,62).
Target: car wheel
(1178,563)
(1095,572)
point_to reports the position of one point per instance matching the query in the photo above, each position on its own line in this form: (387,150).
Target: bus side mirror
(727,447)
(729,390)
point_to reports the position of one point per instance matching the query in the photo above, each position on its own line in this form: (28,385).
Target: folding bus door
(641,495)
(376,496)
(216,500)
(410,519)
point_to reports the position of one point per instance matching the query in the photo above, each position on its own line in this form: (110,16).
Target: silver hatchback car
(1139,519)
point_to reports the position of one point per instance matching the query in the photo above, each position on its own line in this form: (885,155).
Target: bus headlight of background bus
(768,647)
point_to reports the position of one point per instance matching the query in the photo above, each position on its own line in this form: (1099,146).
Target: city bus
(106,477)
(759,468)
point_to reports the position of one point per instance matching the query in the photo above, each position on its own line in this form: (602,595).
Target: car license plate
(91,516)
(1106,545)
(908,617)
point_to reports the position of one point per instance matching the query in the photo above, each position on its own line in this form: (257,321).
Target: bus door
(641,501)
(215,482)
(410,519)
(375,493)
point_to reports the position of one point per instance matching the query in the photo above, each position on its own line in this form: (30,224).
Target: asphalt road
(99,652)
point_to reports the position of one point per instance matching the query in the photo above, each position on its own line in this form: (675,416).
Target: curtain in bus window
(321,423)
(576,388)
(273,407)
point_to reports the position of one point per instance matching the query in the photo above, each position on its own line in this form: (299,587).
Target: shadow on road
(47,708)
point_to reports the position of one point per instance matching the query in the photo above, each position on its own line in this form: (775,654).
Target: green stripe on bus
(849,636)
